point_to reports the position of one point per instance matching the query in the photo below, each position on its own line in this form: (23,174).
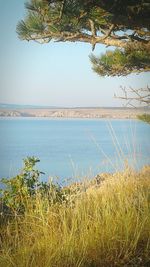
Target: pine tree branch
(62,9)
(109,31)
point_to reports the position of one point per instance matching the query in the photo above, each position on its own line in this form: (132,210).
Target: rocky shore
(93,113)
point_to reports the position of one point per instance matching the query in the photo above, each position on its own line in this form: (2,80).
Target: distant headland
(11,110)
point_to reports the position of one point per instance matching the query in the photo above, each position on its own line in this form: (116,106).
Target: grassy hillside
(84,225)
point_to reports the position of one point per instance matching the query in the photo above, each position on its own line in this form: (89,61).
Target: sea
(73,149)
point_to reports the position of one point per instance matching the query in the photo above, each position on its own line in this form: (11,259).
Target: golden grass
(104,226)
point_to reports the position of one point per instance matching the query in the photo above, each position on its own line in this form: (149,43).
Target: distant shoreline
(82,113)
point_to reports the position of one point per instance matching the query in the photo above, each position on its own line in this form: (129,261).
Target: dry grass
(105,226)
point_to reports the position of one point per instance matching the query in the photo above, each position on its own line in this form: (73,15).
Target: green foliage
(121,62)
(144,117)
(46,18)
(19,190)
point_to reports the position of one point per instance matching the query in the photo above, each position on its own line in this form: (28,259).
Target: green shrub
(26,186)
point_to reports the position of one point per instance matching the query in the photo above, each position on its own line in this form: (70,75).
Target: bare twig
(141,95)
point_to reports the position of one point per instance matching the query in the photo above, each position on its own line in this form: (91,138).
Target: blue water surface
(73,148)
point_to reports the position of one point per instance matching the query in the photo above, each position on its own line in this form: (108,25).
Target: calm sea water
(73,148)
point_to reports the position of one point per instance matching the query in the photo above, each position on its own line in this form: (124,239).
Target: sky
(53,74)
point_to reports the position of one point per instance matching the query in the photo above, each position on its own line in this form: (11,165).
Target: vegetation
(19,190)
(144,117)
(105,224)
(123,24)
(122,62)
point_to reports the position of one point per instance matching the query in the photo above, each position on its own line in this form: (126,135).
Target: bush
(18,191)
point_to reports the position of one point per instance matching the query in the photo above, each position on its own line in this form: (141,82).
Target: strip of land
(110,113)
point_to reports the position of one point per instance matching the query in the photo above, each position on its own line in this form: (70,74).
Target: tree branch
(137,96)
(93,31)
(109,31)
(62,9)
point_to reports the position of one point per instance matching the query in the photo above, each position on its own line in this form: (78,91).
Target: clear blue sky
(55,74)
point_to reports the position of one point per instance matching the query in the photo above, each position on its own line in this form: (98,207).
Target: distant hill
(16,106)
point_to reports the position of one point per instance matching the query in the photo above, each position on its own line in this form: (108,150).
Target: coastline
(77,113)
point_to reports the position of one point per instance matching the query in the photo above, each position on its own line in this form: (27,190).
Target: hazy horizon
(28,106)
